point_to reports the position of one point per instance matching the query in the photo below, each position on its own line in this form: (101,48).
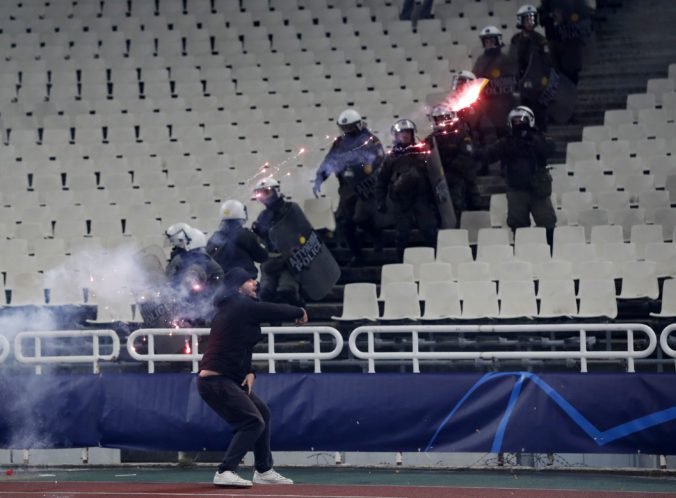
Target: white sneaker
(228,478)
(270,477)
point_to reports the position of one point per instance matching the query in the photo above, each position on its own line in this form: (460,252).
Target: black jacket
(403,176)
(521,156)
(233,245)
(236,329)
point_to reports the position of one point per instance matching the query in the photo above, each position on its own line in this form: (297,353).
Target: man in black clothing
(403,178)
(524,155)
(530,50)
(226,376)
(234,245)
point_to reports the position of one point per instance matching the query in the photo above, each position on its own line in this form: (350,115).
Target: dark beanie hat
(235,277)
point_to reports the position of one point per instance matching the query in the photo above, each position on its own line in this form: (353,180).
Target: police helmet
(350,121)
(461,78)
(178,235)
(491,32)
(233,210)
(442,114)
(521,115)
(197,239)
(526,12)
(402,125)
(267,190)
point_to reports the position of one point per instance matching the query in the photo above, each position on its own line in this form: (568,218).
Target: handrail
(193,355)
(664,341)
(4,348)
(415,355)
(39,359)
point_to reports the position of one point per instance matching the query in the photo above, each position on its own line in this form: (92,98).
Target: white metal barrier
(193,355)
(38,358)
(582,354)
(4,348)
(664,341)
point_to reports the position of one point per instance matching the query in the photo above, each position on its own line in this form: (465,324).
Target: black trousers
(248,417)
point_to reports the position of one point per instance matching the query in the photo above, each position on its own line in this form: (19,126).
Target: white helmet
(267,183)
(526,11)
(179,235)
(350,121)
(197,239)
(463,76)
(491,32)
(233,210)
(521,114)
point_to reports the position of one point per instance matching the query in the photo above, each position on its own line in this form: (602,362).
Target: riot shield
(294,237)
(498,95)
(442,196)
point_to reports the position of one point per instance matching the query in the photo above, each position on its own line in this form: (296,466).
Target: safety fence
(415,354)
(372,343)
(191,352)
(666,338)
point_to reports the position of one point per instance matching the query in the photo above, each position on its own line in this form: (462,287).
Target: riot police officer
(278,283)
(355,158)
(474,114)
(524,155)
(500,71)
(530,50)
(404,179)
(233,245)
(453,138)
(192,274)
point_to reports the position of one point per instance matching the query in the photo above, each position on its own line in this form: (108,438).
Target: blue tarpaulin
(454,412)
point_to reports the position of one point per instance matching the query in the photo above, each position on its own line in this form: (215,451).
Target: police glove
(317,189)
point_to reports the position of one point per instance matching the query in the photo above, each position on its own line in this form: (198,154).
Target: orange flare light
(469,94)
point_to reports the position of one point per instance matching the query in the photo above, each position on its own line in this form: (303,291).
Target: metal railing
(4,348)
(192,354)
(415,355)
(39,359)
(664,341)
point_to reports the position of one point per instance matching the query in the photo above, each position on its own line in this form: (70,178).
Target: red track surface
(156,490)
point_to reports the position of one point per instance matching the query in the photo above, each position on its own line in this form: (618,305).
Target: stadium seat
(359,303)
(434,272)
(597,298)
(517,299)
(415,256)
(668,302)
(533,253)
(479,299)
(452,237)
(455,255)
(664,254)
(473,271)
(556,269)
(639,280)
(473,221)
(530,235)
(441,299)
(401,301)
(494,236)
(666,217)
(557,298)
(27,289)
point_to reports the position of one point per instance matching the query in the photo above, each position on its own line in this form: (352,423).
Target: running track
(187,490)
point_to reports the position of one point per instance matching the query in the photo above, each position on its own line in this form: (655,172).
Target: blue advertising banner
(493,412)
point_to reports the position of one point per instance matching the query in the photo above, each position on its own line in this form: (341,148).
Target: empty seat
(664,254)
(452,237)
(494,236)
(597,298)
(435,271)
(473,221)
(668,304)
(557,298)
(473,271)
(512,270)
(575,252)
(479,300)
(401,301)
(454,255)
(642,235)
(27,289)
(568,234)
(604,234)
(517,299)
(442,300)
(530,235)
(415,256)
(639,280)
(359,302)
(556,269)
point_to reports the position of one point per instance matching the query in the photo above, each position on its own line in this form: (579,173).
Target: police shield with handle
(452,152)
(355,158)
(302,264)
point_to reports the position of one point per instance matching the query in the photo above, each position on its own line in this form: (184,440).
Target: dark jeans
(248,417)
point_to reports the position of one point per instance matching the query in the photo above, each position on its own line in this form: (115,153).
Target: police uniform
(355,159)
(278,282)
(498,95)
(403,178)
(456,150)
(232,245)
